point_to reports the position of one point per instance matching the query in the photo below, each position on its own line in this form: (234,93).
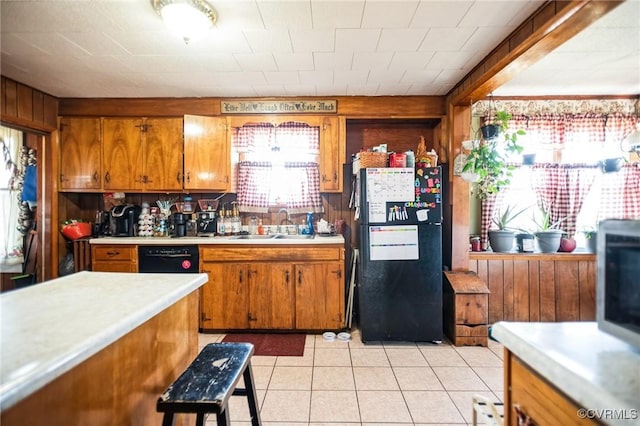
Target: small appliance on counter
(123,220)
(206,223)
(102,225)
(179,225)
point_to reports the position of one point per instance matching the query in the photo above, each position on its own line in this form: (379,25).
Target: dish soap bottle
(308,229)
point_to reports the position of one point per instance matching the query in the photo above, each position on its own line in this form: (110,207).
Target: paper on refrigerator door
(397,242)
(388,184)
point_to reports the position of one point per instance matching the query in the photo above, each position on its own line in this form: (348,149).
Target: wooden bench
(466,309)
(208,383)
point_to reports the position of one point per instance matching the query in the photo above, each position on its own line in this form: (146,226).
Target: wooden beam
(550,26)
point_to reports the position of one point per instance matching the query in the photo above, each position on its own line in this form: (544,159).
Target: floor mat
(271,344)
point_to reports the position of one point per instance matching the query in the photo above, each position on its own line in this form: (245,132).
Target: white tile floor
(350,383)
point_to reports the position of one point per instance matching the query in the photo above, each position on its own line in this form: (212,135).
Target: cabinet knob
(107,177)
(188,177)
(95,176)
(286,277)
(299,277)
(179,177)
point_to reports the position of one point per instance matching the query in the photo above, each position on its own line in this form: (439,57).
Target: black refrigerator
(400,254)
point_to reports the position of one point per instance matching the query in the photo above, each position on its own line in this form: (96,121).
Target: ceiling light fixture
(188,19)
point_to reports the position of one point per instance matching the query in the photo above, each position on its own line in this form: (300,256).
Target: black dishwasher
(171,259)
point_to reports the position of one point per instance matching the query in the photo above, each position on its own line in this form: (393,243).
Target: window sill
(574,256)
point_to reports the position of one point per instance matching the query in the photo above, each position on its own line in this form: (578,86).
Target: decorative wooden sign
(279,107)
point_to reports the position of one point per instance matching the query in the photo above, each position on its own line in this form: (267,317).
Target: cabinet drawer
(111,253)
(538,399)
(119,266)
(297,253)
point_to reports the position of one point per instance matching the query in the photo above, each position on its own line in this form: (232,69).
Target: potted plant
(487,163)
(548,234)
(501,239)
(591,237)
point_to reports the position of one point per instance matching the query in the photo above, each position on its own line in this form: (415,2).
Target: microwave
(618,279)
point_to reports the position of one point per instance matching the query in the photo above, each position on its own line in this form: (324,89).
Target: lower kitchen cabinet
(224,299)
(247,295)
(273,292)
(115,258)
(531,400)
(319,296)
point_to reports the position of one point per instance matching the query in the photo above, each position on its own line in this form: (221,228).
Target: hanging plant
(485,161)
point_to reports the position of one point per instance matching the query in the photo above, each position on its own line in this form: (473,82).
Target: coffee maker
(124,219)
(179,225)
(206,223)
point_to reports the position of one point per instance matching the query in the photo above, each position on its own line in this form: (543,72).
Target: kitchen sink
(252,237)
(272,237)
(292,237)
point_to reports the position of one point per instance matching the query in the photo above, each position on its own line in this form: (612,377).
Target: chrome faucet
(287,218)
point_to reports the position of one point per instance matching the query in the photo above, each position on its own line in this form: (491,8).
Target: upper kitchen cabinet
(142,154)
(207,153)
(332,153)
(79,159)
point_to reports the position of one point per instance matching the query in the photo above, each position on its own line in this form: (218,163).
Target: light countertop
(593,368)
(235,240)
(49,328)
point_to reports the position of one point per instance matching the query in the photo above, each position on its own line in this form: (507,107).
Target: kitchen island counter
(593,369)
(51,328)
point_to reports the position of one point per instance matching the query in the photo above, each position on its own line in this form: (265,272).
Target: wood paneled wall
(538,287)
(35,113)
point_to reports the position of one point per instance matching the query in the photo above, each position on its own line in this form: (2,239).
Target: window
(277,166)
(567,178)
(11,240)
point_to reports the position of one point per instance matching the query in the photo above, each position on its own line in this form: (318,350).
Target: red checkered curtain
(306,196)
(586,129)
(561,189)
(619,126)
(490,205)
(292,136)
(620,194)
(544,128)
(254,185)
(252,137)
(296,184)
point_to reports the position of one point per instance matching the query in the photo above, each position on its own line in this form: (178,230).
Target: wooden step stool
(466,308)
(208,383)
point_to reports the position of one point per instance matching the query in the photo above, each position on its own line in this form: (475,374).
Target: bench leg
(251,396)
(200,419)
(222,417)
(167,419)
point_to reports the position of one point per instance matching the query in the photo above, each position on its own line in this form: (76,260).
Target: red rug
(271,344)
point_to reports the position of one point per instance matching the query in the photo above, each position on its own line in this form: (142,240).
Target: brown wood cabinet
(319,292)
(142,154)
(80,162)
(207,153)
(271,288)
(528,395)
(332,153)
(114,258)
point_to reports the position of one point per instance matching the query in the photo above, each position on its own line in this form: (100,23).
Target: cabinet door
(162,160)
(224,298)
(207,153)
(332,153)
(319,293)
(79,157)
(271,298)
(122,154)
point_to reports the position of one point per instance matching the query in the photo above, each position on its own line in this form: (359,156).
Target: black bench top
(210,379)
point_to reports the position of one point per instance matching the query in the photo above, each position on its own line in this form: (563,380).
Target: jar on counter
(475,243)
